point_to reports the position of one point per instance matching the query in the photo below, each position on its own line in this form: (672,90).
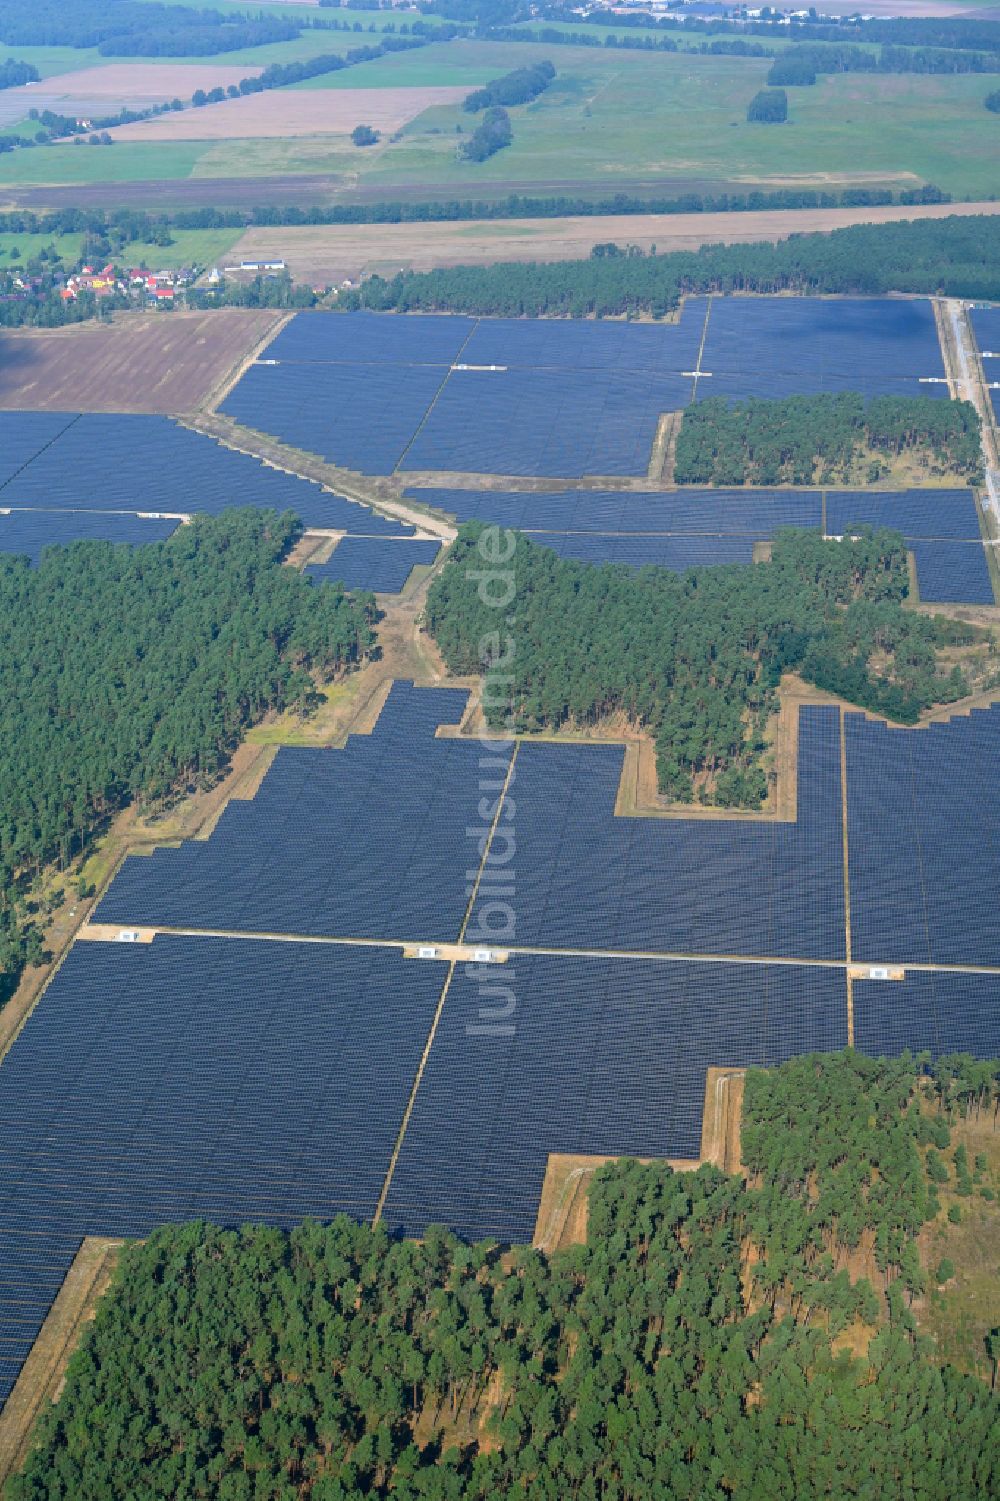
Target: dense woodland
(683,1352)
(133,28)
(954,256)
(518,87)
(768,107)
(131,673)
(825,439)
(696,658)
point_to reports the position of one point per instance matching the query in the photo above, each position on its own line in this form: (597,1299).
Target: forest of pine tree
(685,1351)
(696,658)
(828,439)
(132,673)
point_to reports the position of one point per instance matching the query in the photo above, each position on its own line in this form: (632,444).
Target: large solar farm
(314,1008)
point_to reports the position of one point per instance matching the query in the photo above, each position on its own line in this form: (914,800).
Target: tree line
(137,224)
(685,1350)
(490,136)
(696,658)
(954,256)
(133,28)
(520,86)
(801,65)
(128,673)
(823,439)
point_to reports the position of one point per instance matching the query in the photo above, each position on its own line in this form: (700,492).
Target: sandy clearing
(329,254)
(283,113)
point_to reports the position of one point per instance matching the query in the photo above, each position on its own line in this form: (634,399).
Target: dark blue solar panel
(924,843)
(360,417)
(757,514)
(199,1078)
(677,553)
(956,572)
(776,346)
(374,563)
(371,338)
(986,327)
(935,1012)
(374,841)
(28,532)
(24,434)
(561,423)
(585,344)
(128,463)
(587,1056)
(589,880)
(915,513)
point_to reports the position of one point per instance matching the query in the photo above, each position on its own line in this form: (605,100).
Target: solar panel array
(25,434)
(585,1055)
(791,346)
(946,514)
(924,842)
(935,1012)
(198,1078)
(372,841)
(588,880)
(746,513)
(564,398)
(986,327)
(379,565)
(28,532)
(953,572)
(101,462)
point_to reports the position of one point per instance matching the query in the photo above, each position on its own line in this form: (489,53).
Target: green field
(50,61)
(610,118)
(68,247)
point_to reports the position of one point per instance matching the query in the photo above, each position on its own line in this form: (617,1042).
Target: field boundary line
(224,385)
(45,446)
(701,351)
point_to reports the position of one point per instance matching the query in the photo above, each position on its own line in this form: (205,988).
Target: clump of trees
(518,87)
(488,138)
(685,1350)
(955,256)
(14,73)
(992,102)
(802,440)
(364,135)
(768,107)
(129,673)
(697,657)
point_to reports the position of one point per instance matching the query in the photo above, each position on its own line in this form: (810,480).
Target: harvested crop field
(284,113)
(147,362)
(115,84)
(330,253)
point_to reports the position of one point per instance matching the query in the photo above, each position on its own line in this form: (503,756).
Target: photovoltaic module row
(102,462)
(205,1078)
(924,840)
(525,343)
(586,1056)
(28,532)
(746,513)
(986,327)
(379,565)
(375,841)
